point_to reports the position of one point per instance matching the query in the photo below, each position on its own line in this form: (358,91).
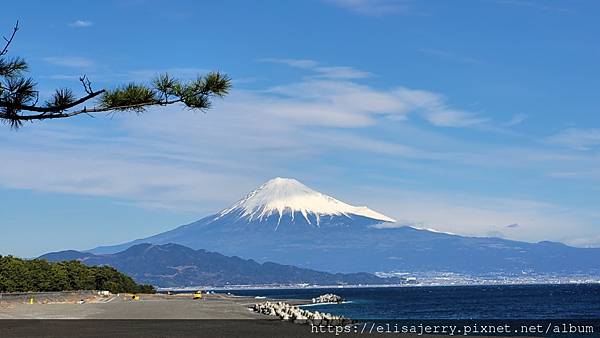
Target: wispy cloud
(344,103)
(70,61)
(586,242)
(310,128)
(474,215)
(81,23)
(342,73)
(334,95)
(180,73)
(576,138)
(440,115)
(277,125)
(297,63)
(137,75)
(330,72)
(373,7)
(542,5)
(580,174)
(176,162)
(191,162)
(516,120)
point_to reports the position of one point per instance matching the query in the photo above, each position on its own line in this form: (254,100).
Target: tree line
(36,275)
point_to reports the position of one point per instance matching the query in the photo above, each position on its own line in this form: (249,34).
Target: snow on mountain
(279,222)
(281,210)
(280,196)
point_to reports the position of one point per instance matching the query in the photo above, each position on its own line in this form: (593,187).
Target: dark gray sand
(215,315)
(148,307)
(151,316)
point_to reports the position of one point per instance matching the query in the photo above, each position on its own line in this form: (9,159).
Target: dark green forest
(20,275)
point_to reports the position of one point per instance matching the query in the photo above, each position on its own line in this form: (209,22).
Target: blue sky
(477,119)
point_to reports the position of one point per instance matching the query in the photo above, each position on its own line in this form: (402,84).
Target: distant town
(421,279)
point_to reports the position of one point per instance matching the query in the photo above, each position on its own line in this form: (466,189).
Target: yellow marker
(31,300)
(198,295)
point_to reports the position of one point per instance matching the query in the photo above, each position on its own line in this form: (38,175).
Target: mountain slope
(173,265)
(286,222)
(278,208)
(284,195)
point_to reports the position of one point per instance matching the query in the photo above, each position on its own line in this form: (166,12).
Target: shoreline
(80,305)
(216,315)
(359,286)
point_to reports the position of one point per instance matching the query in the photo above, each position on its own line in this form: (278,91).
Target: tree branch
(58,115)
(87,85)
(8,41)
(19,97)
(52,109)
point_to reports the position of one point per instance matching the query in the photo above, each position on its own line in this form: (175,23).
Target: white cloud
(333,103)
(589,173)
(167,154)
(124,172)
(446,117)
(81,23)
(373,7)
(581,139)
(328,72)
(70,61)
(536,5)
(586,241)
(180,73)
(342,73)
(516,120)
(137,75)
(172,158)
(297,63)
(174,161)
(474,215)
(331,97)
(435,110)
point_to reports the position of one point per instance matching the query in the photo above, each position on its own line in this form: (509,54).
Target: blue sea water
(572,301)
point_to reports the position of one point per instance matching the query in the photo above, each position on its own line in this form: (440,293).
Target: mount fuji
(293,203)
(286,222)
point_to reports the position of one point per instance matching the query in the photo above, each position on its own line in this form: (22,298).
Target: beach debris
(328,298)
(295,314)
(104,293)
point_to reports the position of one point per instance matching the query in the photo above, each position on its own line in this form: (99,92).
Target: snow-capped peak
(281,195)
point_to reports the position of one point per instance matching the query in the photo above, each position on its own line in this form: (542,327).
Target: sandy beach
(159,306)
(159,315)
(86,314)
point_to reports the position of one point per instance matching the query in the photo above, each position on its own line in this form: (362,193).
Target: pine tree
(19,275)
(20,101)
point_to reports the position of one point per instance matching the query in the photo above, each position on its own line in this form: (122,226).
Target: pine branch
(19,97)
(9,40)
(51,109)
(56,115)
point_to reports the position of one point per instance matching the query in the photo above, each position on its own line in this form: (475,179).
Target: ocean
(566,301)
